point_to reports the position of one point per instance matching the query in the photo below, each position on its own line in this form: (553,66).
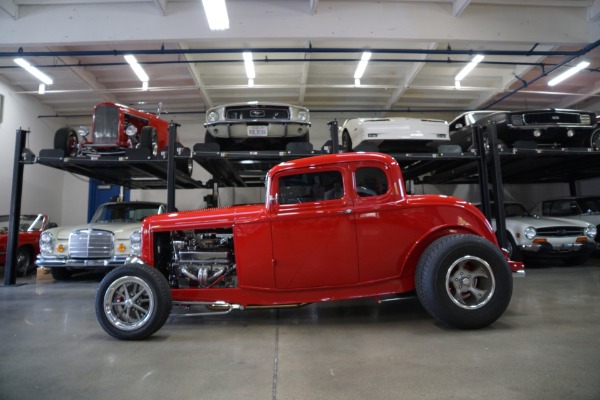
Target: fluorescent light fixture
(457,84)
(356,82)
(250,82)
(137,68)
(568,73)
(33,70)
(42,88)
(216,14)
(362,65)
(249,64)
(468,68)
(145,86)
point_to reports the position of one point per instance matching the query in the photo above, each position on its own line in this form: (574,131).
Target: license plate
(258,130)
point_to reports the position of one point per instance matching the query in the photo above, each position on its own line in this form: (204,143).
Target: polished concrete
(546,346)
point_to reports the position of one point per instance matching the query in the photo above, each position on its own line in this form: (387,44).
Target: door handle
(346,211)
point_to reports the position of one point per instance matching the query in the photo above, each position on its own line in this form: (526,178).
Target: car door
(312,223)
(382,232)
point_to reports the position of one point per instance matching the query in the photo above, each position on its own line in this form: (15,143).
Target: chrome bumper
(53,262)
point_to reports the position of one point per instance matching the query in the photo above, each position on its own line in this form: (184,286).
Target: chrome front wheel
(133,302)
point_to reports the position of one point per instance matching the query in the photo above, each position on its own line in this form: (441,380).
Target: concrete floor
(546,346)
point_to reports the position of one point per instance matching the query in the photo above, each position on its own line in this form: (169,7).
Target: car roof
(332,159)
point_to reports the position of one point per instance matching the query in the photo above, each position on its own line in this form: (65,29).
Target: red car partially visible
(30,229)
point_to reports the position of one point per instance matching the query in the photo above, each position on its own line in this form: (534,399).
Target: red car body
(109,126)
(302,246)
(30,229)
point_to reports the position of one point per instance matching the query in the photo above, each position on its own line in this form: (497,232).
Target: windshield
(27,223)
(590,204)
(476,116)
(515,210)
(125,212)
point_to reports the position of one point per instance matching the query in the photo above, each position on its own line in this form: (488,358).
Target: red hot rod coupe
(332,227)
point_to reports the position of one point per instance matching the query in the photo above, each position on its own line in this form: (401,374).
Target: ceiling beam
(10,8)
(459,6)
(162,6)
(196,75)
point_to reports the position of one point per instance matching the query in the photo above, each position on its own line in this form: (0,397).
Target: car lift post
(171,167)
(333,131)
(10,266)
(497,188)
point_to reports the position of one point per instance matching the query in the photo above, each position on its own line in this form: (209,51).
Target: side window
(563,208)
(370,181)
(308,187)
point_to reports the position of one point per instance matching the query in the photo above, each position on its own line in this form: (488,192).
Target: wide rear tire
(464,281)
(133,302)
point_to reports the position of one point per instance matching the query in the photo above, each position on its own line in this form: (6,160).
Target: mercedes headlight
(46,243)
(135,243)
(530,232)
(212,116)
(591,231)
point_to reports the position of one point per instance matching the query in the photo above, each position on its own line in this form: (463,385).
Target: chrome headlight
(591,231)
(135,243)
(46,243)
(302,116)
(83,131)
(212,116)
(530,232)
(131,130)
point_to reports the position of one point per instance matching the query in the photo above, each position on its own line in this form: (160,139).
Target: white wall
(42,187)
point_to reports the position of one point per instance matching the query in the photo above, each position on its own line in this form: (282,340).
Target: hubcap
(470,282)
(129,303)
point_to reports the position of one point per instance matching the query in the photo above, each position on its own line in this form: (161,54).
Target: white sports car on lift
(393,134)
(546,238)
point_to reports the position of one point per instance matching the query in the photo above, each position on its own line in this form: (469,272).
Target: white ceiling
(305,53)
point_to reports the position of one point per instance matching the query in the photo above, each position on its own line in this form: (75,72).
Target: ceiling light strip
(568,73)
(33,71)
(468,68)
(137,68)
(362,65)
(216,14)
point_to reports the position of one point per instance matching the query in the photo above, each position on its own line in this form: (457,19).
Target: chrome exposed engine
(203,260)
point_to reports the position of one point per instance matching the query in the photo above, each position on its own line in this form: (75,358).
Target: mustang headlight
(135,243)
(530,232)
(212,116)
(591,231)
(302,116)
(46,243)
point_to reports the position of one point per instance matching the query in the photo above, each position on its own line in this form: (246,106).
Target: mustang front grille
(90,243)
(560,231)
(250,113)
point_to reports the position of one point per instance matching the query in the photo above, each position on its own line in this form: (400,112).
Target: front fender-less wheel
(133,302)
(464,281)
(66,139)
(149,139)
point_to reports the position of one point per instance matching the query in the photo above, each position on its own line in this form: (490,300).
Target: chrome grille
(250,112)
(545,118)
(106,125)
(90,243)
(559,231)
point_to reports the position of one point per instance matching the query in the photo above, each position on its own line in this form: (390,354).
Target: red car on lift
(30,229)
(117,127)
(332,227)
